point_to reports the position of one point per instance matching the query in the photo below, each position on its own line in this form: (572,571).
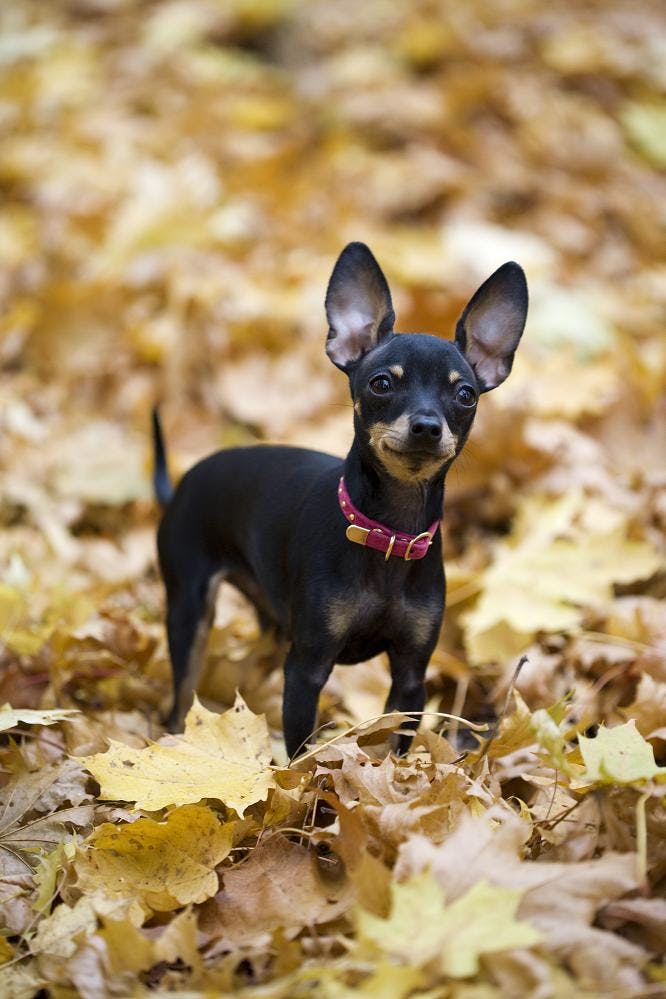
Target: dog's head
(415,395)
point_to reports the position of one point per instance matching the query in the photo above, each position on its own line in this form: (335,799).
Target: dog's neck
(405,506)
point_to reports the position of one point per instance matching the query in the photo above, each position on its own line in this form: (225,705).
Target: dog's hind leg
(191,609)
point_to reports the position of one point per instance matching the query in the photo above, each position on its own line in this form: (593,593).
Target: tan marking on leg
(454,376)
(419,619)
(397,370)
(197,655)
(420,624)
(345,612)
(339,616)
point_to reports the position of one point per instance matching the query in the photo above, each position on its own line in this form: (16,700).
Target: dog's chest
(364,621)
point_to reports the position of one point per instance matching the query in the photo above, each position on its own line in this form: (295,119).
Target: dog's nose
(425,427)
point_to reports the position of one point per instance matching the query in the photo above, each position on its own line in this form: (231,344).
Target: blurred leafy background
(177,179)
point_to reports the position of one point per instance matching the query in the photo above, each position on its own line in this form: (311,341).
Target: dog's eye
(380,385)
(466,396)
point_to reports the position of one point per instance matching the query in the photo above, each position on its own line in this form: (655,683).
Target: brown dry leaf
(35,816)
(21,981)
(561,900)
(111,960)
(645,912)
(65,939)
(370,877)
(279,887)
(648,709)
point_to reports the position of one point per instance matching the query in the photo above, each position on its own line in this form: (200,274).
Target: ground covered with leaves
(177,179)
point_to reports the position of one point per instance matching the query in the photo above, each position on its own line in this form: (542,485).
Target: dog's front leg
(407,691)
(306,670)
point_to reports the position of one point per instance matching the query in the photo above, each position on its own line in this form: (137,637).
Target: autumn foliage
(177,179)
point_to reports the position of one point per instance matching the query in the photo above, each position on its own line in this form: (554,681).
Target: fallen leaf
(646,127)
(560,899)
(21,981)
(161,864)
(32,820)
(421,929)
(648,709)
(10,717)
(56,934)
(549,571)
(278,887)
(218,756)
(618,755)
(6,950)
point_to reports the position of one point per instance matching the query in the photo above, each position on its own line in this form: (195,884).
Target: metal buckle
(390,548)
(357,534)
(408,550)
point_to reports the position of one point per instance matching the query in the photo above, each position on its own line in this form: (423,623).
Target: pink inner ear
(491,339)
(356,335)
(489,370)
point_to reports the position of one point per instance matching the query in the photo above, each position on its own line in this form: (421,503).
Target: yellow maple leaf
(618,755)
(421,929)
(563,555)
(162,864)
(226,757)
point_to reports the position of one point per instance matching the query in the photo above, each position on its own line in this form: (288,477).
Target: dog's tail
(161,482)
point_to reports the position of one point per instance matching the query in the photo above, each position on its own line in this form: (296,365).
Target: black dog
(343,558)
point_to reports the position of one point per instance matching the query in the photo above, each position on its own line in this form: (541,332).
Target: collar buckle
(371,534)
(408,550)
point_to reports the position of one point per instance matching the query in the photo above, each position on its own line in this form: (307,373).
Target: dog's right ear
(358,306)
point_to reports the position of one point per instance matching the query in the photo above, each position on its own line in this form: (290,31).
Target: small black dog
(343,557)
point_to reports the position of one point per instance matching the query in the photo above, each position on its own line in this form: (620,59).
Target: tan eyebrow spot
(397,370)
(454,376)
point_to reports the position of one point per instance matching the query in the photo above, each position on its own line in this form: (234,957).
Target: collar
(372,534)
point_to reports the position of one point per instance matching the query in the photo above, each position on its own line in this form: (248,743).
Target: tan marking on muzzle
(387,438)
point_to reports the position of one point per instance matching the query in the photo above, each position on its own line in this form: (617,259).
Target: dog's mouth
(419,454)
(412,460)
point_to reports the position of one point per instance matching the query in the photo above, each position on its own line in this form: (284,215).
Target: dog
(342,558)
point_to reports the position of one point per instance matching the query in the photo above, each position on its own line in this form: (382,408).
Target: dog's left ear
(358,306)
(492,324)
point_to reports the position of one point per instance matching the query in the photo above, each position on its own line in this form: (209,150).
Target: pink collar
(372,534)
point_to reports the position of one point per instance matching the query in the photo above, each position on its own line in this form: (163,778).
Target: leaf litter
(177,179)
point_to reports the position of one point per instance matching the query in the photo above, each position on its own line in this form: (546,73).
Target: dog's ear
(492,324)
(358,306)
